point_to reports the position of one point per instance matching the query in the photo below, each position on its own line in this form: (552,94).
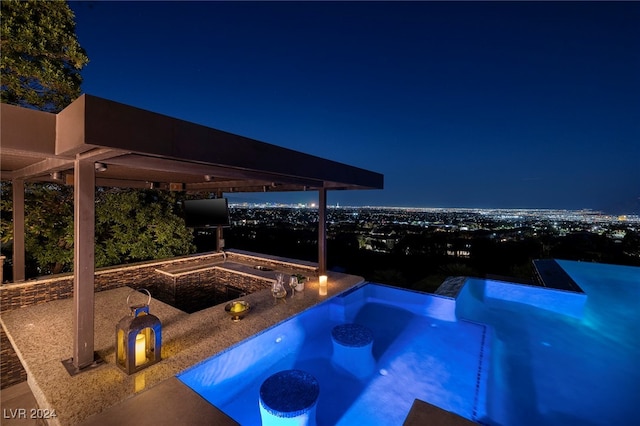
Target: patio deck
(42,336)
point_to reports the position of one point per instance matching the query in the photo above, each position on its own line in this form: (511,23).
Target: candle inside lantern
(141,349)
(322,288)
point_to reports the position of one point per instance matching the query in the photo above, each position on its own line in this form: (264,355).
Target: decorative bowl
(237,309)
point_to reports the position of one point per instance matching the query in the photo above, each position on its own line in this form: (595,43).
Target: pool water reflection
(417,356)
(500,353)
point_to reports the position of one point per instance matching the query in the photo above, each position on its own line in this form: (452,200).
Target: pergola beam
(46,166)
(216,184)
(150,163)
(222,186)
(265,187)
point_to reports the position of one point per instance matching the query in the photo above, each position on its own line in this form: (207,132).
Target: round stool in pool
(352,345)
(289,397)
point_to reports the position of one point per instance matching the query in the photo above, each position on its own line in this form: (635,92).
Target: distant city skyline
(564,214)
(458,104)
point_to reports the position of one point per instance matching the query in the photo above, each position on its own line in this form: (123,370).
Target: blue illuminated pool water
(500,353)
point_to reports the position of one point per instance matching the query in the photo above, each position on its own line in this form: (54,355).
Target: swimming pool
(421,351)
(561,358)
(500,353)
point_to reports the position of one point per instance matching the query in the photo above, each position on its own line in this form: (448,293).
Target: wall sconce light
(322,285)
(138,338)
(208,178)
(100,167)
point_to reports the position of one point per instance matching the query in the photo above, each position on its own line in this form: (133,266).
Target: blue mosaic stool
(289,397)
(352,345)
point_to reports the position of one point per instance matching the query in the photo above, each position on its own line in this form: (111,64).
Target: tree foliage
(48,227)
(131,226)
(40,57)
(134,225)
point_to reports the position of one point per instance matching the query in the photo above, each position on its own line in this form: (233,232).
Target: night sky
(491,105)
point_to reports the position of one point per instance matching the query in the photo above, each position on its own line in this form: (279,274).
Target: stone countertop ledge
(42,337)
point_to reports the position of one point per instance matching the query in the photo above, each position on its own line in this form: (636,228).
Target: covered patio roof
(97,142)
(143,149)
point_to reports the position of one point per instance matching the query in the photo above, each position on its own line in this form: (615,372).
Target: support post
(219,231)
(83,263)
(18,230)
(322,231)
(219,239)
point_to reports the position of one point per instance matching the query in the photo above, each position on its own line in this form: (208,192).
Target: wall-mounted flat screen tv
(206,213)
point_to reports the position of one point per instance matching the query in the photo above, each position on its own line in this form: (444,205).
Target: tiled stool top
(352,335)
(289,393)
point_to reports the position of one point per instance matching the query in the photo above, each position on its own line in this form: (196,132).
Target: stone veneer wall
(41,290)
(11,370)
(246,284)
(208,282)
(139,275)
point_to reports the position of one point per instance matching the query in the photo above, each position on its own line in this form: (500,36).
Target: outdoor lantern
(138,338)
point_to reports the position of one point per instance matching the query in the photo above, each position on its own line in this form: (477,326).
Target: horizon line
(312,206)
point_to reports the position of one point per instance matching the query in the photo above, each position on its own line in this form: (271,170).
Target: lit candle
(141,348)
(322,288)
